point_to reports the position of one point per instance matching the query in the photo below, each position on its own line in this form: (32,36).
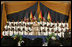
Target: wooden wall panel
(17,6)
(61,7)
(38,9)
(4,18)
(69,20)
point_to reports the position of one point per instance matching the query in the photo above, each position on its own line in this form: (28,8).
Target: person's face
(28,19)
(61,30)
(21,19)
(44,19)
(52,30)
(12,20)
(48,30)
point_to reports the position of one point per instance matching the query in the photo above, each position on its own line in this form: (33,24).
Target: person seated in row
(48,24)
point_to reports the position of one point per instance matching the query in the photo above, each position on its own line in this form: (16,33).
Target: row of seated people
(42,24)
(12,31)
(30,28)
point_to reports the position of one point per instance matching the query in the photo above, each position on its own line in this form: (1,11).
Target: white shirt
(38,22)
(59,29)
(41,22)
(52,24)
(31,33)
(26,33)
(45,33)
(15,33)
(50,33)
(6,27)
(42,28)
(3,33)
(62,34)
(48,23)
(44,23)
(13,27)
(9,27)
(23,22)
(6,33)
(21,28)
(20,32)
(31,22)
(11,33)
(46,29)
(55,24)
(42,33)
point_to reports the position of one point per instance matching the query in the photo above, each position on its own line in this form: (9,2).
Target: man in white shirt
(50,32)
(62,33)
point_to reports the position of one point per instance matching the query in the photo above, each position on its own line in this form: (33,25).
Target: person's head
(9,29)
(45,25)
(43,30)
(52,30)
(23,29)
(48,30)
(12,29)
(61,30)
(19,29)
(27,19)
(21,19)
(12,20)
(4,29)
(7,24)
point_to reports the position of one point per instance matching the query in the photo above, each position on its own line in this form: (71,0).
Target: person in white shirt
(66,26)
(16,32)
(11,32)
(26,33)
(3,33)
(42,30)
(57,24)
(62,25)
(62,33)
(57,32)
(50,32)
(6,33)
(6,27)
(48,25)
(21,32)
(45,31)
(30,31)
(52,24)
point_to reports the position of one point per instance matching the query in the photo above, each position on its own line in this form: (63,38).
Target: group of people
(34,28)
